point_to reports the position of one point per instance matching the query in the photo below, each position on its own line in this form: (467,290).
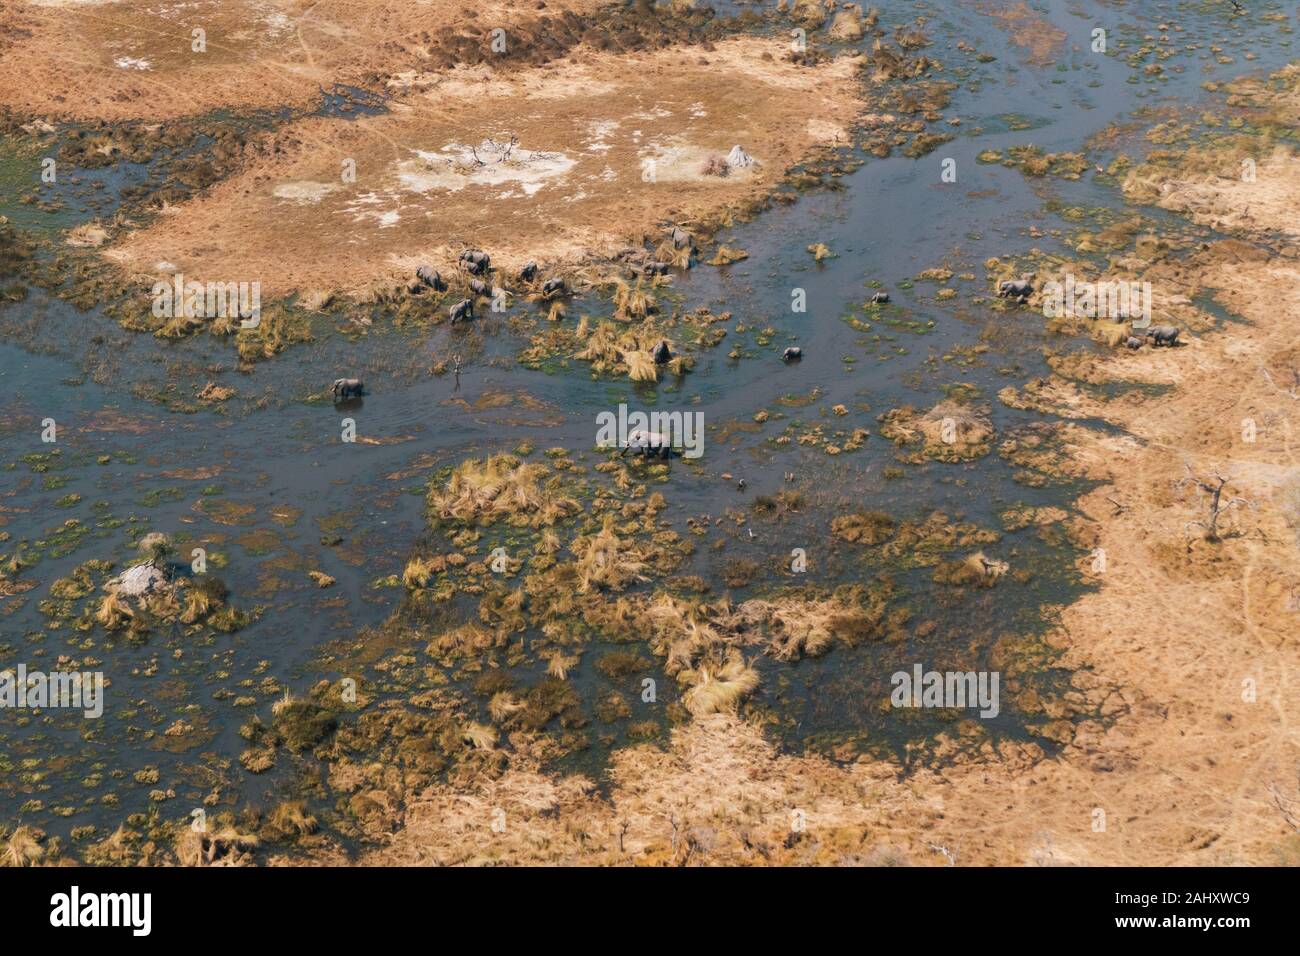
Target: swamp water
(270,492)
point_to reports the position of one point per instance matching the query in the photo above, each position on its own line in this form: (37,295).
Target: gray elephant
(345,388)
(475,262)
(554,287)
(662,353)
(431,277)
(1166,335)
(529,272)
(462,311)
(1133,342)
(880,298)
(479,287)
(1018,289)
(645,266)
(792,354)
(682,239)
(648,443)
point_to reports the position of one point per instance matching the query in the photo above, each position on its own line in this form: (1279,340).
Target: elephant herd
(1167,335)
(477,266)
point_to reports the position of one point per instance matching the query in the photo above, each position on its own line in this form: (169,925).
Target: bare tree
(1288,806)
(948,854)
(1214,488)
(1293,391)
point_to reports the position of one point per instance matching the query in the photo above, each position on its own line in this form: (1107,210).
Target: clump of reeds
(864,527)
(632,302)
(114,612)
(290,819)
(22,847)
(679,257)
(640,366)
(200,597)
(479,736)
(501,488)
(718,687)
(607,562)
(726,255)
(417,573)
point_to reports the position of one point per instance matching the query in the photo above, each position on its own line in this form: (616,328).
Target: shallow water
(275,475)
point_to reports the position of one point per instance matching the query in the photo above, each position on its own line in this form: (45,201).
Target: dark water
(273,463)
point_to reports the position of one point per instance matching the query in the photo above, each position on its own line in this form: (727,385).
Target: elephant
(662,353)
(431,277)
(345,388)
(479,287)
(682,239)
(554,287)
(647,443)
(529,272)
(648,267)
(462,311)
(475,262)
(1133,342)
(1018,289)
(792,354)
(880,298)
(1163,335)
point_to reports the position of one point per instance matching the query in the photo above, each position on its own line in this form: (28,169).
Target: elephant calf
(880,298)
(1133,342)
(554,287)
(1166,335)
(345,388)
(792,354)
(662,353)
(529,272)
(479,287)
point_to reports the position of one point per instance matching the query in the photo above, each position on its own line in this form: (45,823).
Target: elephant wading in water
(1018,289)
(648,443)
(346,388)
(462,311)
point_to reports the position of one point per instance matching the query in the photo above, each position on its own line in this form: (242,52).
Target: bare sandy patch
(611,148)
(1261,196)
(111,60)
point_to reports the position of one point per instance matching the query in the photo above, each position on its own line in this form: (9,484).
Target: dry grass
(501,488)
(718,687)
(607,562)
(418,573)
(286,219)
